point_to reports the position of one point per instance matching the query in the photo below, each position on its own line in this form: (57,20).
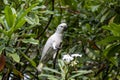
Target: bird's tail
(40,67)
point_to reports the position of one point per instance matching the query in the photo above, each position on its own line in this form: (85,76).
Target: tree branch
(48,21)
(44,29)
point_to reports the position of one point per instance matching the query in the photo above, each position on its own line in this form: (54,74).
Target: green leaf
(29,20)
(50,77)
(31,61)
(6,2)
(47,12)
(10,49)
(20,24)
(0,77)
(33,20)
(17,26)
(18,73)
(116,18)
(52,70)
(104,17)
(26,12)
(81,72)
(3,31)
(15,57)
(61,65)
(114,61)
(10,16)
(114,28)
(95,8)
(2,47)
(108,40)
(31,40)
(111,50)
(39,7)
(20,21)
(28,35)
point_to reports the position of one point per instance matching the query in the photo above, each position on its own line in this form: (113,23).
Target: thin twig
(30,45)
(44,29)
(48,21)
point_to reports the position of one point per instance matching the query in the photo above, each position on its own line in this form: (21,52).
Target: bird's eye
(61,26)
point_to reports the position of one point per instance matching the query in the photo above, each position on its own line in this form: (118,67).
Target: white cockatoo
(52,45)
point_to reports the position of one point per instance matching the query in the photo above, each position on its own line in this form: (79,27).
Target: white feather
(52,44)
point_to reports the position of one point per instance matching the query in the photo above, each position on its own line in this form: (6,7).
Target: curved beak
(65,28)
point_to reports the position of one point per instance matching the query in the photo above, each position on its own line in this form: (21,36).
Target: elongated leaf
(18,73)
(114,28)
(15,57)
(29,20)
(20,20)
(31,61)
(26,12)
(111,50)
(104,17)
(95,8)
(10,16)
(33,20)
(114,61)
(31,40)
(81,72)
(108,40)
(116,18)
(10,49)
(17,26)
(0,77)
(52,70)
(3,31)
(2,47)
(50,77)
(20,24)
(61,64)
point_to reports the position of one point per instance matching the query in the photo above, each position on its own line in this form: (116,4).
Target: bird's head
(61,27)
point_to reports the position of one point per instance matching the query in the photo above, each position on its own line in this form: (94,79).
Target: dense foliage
(93,32)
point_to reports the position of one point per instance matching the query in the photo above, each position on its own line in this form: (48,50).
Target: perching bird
(52,45)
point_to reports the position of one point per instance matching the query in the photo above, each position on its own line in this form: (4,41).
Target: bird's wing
(48,50)
(48,55)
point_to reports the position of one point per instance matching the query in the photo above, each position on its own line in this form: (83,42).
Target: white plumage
(51,46)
